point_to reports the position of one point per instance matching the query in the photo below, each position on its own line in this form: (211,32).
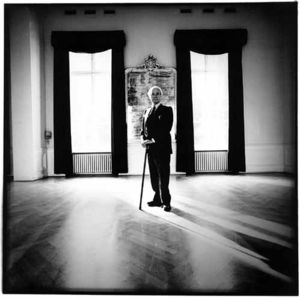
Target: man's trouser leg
(154,177)
(164,174)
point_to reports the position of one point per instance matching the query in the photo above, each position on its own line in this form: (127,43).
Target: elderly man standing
(156,137)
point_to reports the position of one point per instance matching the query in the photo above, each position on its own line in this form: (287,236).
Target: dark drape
(61,110)
(185,128)
(210,42)
(118,117)
(88,42)
(236,152)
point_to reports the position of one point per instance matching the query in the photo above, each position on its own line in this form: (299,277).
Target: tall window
(210,101)
(90,100)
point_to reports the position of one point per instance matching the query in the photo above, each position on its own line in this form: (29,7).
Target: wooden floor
(226,234)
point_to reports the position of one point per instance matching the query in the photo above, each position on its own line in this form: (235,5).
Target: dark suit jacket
(158,126)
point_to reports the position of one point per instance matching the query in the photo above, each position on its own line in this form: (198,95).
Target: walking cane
(140,207)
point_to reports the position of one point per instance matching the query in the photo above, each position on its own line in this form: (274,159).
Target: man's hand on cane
(147,142)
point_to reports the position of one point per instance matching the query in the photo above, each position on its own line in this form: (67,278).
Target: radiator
(211,161)
(92,163)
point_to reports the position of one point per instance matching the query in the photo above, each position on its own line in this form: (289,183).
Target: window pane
(102,62)
(210,101)
(80,62)
(90,109)
(102,104)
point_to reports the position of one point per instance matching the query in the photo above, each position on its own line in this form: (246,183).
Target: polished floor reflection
(225,235)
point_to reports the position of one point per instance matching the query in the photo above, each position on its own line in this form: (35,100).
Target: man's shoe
(154,204)
(168,208)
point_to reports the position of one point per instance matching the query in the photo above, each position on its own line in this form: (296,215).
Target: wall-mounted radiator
(92,163)
(211,161)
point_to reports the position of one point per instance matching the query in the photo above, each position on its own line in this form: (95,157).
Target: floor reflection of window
(210,101)
(90,97)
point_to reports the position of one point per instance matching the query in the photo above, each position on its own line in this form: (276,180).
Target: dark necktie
(151,113)
(152,110)
(150,117)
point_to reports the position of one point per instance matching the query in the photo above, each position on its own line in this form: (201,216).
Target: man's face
(155,96)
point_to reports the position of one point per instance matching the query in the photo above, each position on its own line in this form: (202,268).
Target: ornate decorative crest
(150,63)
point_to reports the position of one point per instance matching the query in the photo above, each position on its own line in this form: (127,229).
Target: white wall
(26,95)
(269,97)
(268,59)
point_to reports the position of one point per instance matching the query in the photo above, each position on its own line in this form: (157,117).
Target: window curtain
(209,42)
(88,42)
